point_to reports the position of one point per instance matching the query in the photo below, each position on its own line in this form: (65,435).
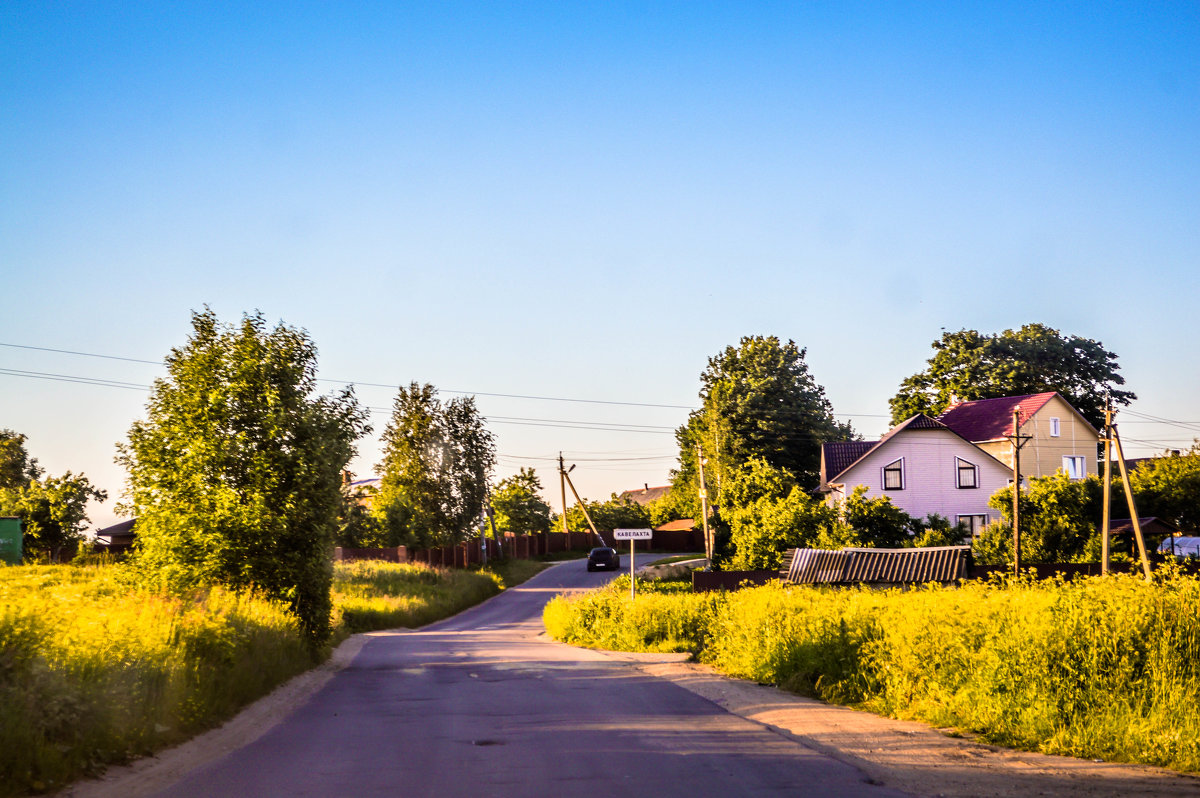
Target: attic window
(893,475)
(968,473)
(1054,428)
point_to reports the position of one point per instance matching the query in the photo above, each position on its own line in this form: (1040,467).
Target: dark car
(603,557)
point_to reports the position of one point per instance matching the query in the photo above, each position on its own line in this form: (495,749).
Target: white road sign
(633,534)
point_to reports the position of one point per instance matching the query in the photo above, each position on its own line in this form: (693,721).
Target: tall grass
(1105,668)
(93,672)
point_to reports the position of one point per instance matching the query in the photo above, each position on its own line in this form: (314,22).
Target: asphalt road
(484,704)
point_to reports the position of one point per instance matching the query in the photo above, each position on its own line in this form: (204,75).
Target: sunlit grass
(1100,668)
(94,671)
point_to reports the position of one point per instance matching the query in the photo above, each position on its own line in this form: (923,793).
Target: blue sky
(575,201)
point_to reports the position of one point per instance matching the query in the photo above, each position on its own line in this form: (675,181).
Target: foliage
(1098,668)
(518,505)
(967,365)
(616,513)
(877,521)
(670,507)
(437,458)
(1169,487)
(758,401)
(768,513)
(1059,517)
(358,527)
(17,468)
(235,474)
(52,512)
(936,530)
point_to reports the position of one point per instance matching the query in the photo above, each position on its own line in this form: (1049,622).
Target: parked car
(603,557)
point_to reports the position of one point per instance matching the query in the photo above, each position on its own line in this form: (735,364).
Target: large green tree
(615,513)
(758,400)
(235,473)
(518,504)
(968,365)
(437,459)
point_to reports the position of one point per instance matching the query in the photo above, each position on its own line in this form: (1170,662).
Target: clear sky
(588,201)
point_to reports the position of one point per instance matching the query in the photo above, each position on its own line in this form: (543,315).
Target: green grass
(1099,668)
(94,672)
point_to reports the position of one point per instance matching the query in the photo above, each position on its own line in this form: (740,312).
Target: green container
(10,541)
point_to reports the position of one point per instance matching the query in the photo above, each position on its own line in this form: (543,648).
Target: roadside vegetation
(95,670)
(1105,668)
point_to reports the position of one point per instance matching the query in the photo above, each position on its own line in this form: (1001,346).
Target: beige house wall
(1043,455)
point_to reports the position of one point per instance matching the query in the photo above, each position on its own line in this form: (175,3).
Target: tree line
(236,472)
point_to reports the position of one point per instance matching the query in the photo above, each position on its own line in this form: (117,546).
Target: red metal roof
(991,419)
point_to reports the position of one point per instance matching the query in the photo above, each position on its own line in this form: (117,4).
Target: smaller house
(118,538)
(923,467)
(645,494)
(1060,438)
(1154,531)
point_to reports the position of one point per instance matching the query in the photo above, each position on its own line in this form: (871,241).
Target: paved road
(483,704)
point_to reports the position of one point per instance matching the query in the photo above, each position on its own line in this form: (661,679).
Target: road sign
(633,534)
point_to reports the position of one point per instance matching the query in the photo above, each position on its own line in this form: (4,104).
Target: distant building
(645,494)
(118,538)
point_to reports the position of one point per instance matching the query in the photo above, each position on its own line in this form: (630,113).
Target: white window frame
(961,465)
(1075,466)
(888,467)
(966,520)
(1055,427)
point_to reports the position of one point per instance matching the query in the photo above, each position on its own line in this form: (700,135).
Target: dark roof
(837,457)
(935,564)
(1148,522)
(991,419)
(645,495)
(123,528)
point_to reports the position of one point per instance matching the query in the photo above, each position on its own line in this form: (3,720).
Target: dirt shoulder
(914,757)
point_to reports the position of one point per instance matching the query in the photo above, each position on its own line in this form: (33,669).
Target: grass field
(1105,668)
(93,671)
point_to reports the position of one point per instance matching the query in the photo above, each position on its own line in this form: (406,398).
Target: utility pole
(562,484)
(1133,515)
(708,544)
(582,506)
(1105,522)
(1018,441)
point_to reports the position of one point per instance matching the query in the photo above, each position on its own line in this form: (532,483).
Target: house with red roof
(1060,437)
(922,466)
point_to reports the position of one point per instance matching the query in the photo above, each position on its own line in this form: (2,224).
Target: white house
(923,467)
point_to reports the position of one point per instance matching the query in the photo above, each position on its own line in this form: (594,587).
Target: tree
(235,474)
(518,505)
(17,468)
(437,458)
(615,513)
(1169,487)
(1059,522)
(53,512)
(358,527)
(768,513)
(877,521)
(758,401)
(967,365)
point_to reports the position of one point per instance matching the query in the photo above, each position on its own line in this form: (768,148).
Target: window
(1076,467)
(968,474)
(973,524)
(1055,429)
(893,475)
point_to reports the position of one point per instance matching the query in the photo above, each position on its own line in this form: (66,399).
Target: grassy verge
(1098,668)
(93,673)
